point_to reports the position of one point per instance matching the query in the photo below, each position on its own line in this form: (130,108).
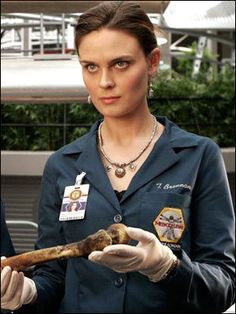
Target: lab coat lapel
(163,155)
(90,162)
(161,158)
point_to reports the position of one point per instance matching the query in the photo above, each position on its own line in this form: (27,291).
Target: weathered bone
(115,234)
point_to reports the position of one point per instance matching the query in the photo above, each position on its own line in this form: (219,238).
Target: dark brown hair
(127,16)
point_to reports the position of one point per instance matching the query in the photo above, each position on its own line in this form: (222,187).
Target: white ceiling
(200,15)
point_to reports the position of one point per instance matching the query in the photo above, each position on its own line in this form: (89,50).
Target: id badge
(74,202)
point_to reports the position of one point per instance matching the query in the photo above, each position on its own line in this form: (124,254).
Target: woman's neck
(127,130)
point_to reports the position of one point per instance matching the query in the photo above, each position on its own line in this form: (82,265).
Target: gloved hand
(16,289)
(149,257)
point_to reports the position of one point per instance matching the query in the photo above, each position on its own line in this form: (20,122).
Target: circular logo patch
(75,194)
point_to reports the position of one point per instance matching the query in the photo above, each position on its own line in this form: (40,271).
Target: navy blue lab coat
(183,171)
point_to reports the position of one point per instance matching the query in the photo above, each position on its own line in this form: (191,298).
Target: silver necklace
(120,167)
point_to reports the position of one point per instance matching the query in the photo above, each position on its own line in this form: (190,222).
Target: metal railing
(11,222)
(67,123)
(23,234)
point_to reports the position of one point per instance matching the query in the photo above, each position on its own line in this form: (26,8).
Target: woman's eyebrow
(120,58)
(85,61)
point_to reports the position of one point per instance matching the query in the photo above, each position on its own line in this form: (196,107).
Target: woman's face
(73,206)
(116,71)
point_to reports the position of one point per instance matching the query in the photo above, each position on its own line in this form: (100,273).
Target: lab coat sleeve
(49,277)
(204,281)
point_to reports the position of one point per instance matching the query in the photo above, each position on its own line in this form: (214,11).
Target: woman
(73,207)
(167,185)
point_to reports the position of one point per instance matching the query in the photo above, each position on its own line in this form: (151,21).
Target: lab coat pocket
(153,203)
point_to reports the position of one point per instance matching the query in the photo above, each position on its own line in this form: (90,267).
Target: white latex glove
(16,289)
(149,257)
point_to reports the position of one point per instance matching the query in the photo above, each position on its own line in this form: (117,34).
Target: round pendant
(132,166)
(120,172)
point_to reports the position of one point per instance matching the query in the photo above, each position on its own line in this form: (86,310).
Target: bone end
(118,233)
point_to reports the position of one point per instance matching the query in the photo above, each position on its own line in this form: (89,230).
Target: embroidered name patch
(169,224)
(167,186)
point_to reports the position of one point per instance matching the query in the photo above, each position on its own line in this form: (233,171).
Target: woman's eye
(122,64)
(91,67)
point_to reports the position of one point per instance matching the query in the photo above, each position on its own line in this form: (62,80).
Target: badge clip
(79,178)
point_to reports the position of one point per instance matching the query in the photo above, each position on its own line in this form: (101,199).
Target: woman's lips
(110,99)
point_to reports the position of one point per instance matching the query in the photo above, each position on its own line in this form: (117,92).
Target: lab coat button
(118,282)
(117,218)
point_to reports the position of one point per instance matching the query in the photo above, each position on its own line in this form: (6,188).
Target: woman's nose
(106,80)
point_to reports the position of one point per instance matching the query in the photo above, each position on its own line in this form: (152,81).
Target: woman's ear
(153,61)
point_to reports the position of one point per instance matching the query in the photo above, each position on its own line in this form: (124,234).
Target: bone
(115,234)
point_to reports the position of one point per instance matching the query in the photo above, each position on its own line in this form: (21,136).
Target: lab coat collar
(177,137)
(90,162)
(163,156)
(81,144)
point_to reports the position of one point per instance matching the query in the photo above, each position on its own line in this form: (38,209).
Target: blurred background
(44,101)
